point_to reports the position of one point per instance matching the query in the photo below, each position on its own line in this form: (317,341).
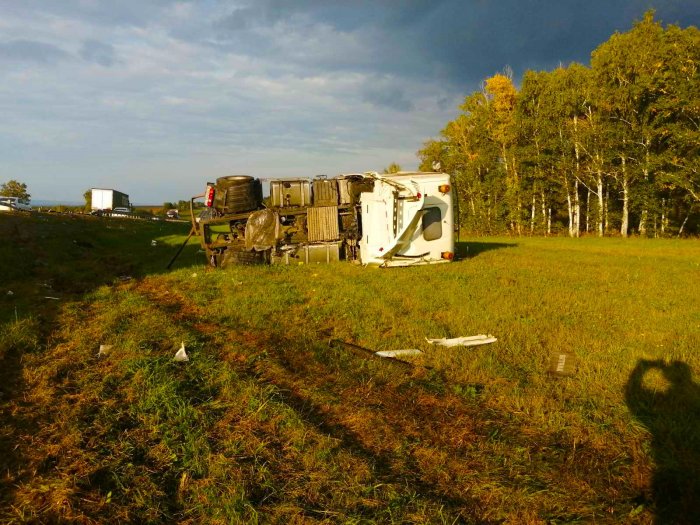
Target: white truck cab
(407,219)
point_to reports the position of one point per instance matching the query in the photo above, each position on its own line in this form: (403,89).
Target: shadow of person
(672,416)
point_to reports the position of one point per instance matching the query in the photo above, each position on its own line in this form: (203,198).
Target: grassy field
(269,423)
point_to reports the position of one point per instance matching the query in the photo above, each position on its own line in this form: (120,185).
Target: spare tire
(237,193)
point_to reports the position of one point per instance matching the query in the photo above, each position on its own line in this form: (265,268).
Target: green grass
(268,423)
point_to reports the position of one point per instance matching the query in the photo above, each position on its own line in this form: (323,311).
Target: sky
(155,98)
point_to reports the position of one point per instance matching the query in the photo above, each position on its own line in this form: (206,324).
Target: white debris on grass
(181,355)
(473,340)
(398,353)
(104,350)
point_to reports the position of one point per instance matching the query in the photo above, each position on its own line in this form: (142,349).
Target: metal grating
(322,224)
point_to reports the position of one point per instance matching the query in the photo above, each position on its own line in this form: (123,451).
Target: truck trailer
(397,219)
(108,200)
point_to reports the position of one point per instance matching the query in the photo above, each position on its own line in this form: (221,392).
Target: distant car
(14,203)
(173,214)
(121,210)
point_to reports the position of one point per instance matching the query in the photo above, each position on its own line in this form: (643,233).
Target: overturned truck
(397,219)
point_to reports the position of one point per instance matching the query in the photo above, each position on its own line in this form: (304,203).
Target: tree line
(609,148)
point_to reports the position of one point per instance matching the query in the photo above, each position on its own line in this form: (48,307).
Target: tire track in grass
(301,382)
(450,450)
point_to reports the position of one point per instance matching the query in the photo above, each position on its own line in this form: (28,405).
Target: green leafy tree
(168,206)
(679,119)
(13,188)
(433,153)
(640,88)
(392,168)
(537,143)
(568,95)
(88,199)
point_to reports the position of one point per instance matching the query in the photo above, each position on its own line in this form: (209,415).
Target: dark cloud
(458,41)
(443,103)
(31,51)
(98,52)
(385,95)
(343,16)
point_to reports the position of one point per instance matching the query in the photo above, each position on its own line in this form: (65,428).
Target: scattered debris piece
(10,292)
(154,243)
(104,350)
(561,364)
(52,298)
(473,340)
(125,278)
(364,352)
(395,353)
(181,355)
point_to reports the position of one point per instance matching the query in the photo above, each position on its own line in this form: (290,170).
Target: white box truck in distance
(105,199)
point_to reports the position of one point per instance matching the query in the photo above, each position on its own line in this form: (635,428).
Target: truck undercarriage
(323,220)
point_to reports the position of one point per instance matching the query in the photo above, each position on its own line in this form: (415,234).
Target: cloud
(272,87)
(98,52)
(386,94)
(31,51)
(459,42)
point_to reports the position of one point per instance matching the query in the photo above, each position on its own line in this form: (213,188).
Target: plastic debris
(104,350)
(562,363)
(473,340)
(125,278)
(396,353)
(362,351)
(181,355)
(154,243)
(10,292)
(52,298)
(262,230)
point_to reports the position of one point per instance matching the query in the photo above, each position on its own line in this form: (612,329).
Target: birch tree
(630,67)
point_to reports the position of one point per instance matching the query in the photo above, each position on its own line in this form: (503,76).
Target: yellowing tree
(392,168)
(501,97)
